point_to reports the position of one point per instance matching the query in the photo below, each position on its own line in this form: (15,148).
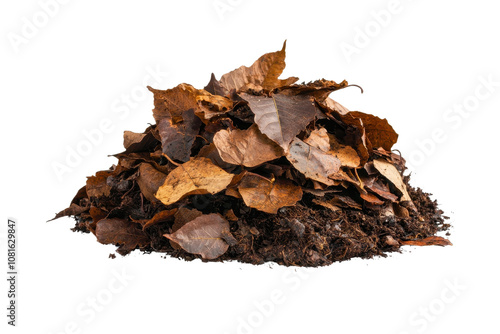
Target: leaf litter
(255,168)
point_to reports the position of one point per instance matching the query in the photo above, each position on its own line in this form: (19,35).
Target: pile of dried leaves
(255,168)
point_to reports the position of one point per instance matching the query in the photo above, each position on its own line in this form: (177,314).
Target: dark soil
(302,235)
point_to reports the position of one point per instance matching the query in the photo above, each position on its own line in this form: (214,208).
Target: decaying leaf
(263,74)
(121,232)
(378,131)
(149,180)
(246,147)
(162,216)
(203,235)
(281,117)
(97,185)
(197,176)
(391,173)
(312,162)
(268,195)
(429,241)
(255,168)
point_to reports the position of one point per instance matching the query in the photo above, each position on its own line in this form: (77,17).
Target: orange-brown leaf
(429,241)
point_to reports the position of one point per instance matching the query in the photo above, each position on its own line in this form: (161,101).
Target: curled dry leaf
(197,176)
(203,236)
(391,173)
(429,241)
(263,74)
(312,162)
(327,142)
(268,195)
(378,131)
(281,117)
(121,232)
(319,89)
(149,180)
(246,147)
(160,217)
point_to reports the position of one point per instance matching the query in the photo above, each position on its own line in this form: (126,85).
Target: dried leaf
(211,152)
(121,232)
(281,117)
(160,217)
(149,180)
(268,195)
(182,217)
(197,176)
(312,162)
(378,131)
(246,147)
(72,210)
(214,87)
(319,89)
(391,173)
(203,235)
(346,154)
(177,139)
(429,241)
(97,185)
(327,205)
(263,74)
(319,139)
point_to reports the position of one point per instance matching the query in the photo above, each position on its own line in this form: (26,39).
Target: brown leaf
(429,241)
(319,89)
(214,87)
(328,143)
(312,162)
(183,216)
(281,117)
(197,176)
(171,103)
(371,198)
(391,173)
(203,235)
(268,195)
(211,152)
(263,74)
(378,131)
(346,154)
(160,217)
(327,205)
(149,180)
(97,185)
(139,142)
(72,210)
(121,232)
(177,139)
(246,147)
(379,188)
(334,105)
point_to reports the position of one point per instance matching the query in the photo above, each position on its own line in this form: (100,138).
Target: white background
(78,66)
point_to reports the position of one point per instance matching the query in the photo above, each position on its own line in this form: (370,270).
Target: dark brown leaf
(378,131)
(281,117)
(121,232)
(149,180)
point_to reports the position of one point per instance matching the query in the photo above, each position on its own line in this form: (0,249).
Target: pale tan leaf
(312,162)
(197,176)
(268,195)
(246,147)
(391,173)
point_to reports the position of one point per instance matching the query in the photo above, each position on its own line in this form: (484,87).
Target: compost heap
(254,168)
